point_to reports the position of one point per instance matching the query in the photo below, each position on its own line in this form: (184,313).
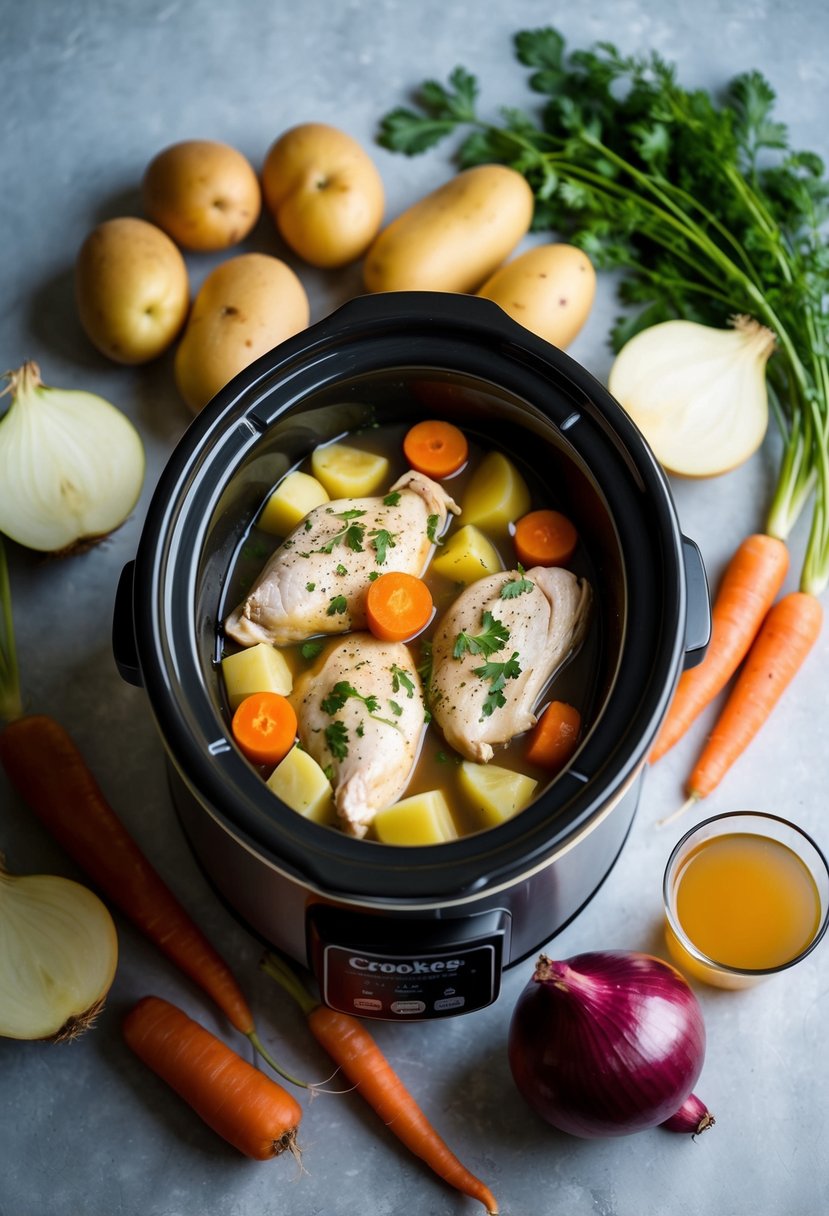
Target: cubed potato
(302,785)
(420,819)
(468,555)
(290,502)
(260,668)
(496,495)
(348,472)
(497,793)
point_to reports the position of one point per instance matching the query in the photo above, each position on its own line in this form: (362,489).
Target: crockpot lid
(431,332)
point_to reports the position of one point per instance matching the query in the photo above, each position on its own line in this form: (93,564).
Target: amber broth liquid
(747,901)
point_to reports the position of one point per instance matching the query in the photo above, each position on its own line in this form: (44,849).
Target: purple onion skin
(606,1043)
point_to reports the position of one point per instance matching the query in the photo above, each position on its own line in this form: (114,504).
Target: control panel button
(367,1003)
(408,1007)
(450,1002)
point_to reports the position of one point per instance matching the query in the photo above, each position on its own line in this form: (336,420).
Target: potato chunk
(290,502)
(467,556)
(497,793)
(420,819)
(348,472)
(260,668)
(302,785)
(496,495)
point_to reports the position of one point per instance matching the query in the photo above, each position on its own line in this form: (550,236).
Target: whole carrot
(352,1047)
(239,1102)
(749,586)
(788,633)
(51,775)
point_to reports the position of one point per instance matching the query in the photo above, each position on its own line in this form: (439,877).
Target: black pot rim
(471,334)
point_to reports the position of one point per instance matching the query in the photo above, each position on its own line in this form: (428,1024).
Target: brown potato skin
(455,237)
(131,289)
(204,194)
(549,289)
(245,307)
(325,194)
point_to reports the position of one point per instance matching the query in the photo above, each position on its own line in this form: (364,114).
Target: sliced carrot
(356,1052)
(785,638)
(236,1100)
(398,606)
(545,538)
(555,736)
(264,726)
(436,448)
(748,589)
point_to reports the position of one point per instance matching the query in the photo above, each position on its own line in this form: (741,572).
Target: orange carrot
(351,1046)
(398,606)
(264,726)
(785,638)
(236,1100)
(749,587)
(50,774)
(555,736)
(436,448)
(545,538)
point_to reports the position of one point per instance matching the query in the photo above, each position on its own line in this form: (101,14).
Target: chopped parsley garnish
(336,736)
(352,535)
(400,678)
(382,540)
(373,576)
(310,586)
(396,709)
(424,668)
(360,731)
(329,772)
(310,650)
(497,674)
(255,549)
(495,635)
(337,605)
(514,587)
(442,758)
(343,691)
(432,528)
(341,569)
(427,717)
(391,500)
(308,525)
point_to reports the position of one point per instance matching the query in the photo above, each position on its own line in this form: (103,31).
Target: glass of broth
(746,895)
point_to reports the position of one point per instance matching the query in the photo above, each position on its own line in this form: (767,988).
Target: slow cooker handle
(123,629)
(698,609)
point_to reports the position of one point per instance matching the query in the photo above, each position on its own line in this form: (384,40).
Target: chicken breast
(495,651)
(361,717)
(318,578)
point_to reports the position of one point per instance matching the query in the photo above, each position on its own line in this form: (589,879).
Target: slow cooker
(421,932)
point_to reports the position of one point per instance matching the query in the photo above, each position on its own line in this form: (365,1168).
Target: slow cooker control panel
(398,971)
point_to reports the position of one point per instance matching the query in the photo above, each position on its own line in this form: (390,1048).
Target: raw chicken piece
(537,630)
(318,578)
(362,714)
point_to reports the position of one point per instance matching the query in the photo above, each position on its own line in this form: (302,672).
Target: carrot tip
(692,800)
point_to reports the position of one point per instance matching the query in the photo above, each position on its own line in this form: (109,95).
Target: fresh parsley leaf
(352,535)
(336,736)
(310,650)
(514,587)
(382,540)
(405,130)
(360,730)
(396,709)
(392,499)
(342,691)
(432,524)
(329,772)
(255,550)
(340,569)
(373,576)
(352,513)
(337,605)
(310,586)
(400,678)
(308,525)
(494,637)
(497,674)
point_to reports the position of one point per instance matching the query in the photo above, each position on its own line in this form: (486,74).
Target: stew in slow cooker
(412,653)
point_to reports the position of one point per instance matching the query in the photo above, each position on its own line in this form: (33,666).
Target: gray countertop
(91,91)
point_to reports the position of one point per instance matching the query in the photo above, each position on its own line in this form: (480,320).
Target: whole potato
(131,289)
(204,194)
(245,307)
(549,289)
(324,193)
(452,239)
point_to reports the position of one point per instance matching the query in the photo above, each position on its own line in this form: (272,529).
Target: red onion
(693,1116)
(608,1043)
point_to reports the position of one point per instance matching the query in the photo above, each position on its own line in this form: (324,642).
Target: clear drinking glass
(758,829)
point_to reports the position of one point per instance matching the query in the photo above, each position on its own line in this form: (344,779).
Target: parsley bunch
(701,203)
